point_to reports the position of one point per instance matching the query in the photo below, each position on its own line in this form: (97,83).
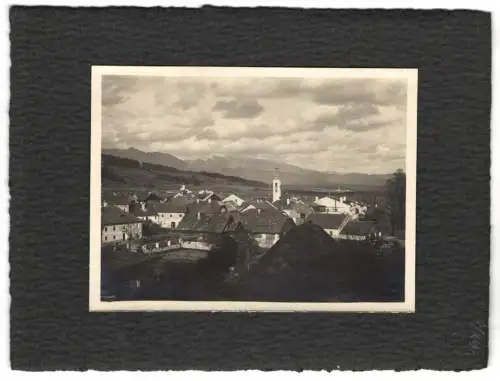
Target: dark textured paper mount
(52,51)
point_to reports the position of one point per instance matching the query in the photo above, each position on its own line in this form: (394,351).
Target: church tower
(276,187)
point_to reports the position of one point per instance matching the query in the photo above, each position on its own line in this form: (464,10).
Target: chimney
(316,198)
(197,200)
(258,211)
(198,216)
(287,201)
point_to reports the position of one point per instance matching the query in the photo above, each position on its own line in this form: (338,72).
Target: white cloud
(333,125)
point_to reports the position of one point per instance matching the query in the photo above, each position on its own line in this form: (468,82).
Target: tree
(396,198)
(150,229)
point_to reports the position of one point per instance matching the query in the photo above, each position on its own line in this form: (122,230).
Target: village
(189,227)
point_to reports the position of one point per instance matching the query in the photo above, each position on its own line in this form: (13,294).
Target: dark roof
(190,221)
(137,210)
(211,207)
(360,228)
(153,197)
(264,205)
(244,205)
(266,221)
(327,221)
(212,219)
(142,195)
(208,196)
(116,199)
(215,223)
(299,207)
(306,264)
(190,207)
(316,206)
(172,206)
(281,204)
(205,207)
(223,222)
(111,215)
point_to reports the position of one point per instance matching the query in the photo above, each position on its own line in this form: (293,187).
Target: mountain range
(254,169)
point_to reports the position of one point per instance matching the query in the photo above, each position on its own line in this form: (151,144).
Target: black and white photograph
(253,189)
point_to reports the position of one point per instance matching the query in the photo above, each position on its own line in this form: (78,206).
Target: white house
(232,198)
(118,226)
(170,214)
(331,205)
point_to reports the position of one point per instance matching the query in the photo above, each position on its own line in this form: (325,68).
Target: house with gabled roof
(232,198)
(266,226)
(171,213)
(246,206)
(119,226)
(359,230)
(120,201)
(207,195)
(144,212)
(332,224)
(296,210)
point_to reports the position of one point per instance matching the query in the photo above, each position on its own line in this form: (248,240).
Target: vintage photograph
(253,189)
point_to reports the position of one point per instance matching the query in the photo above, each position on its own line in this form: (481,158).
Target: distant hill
(148,157)
(256,169)
(120,172)
(264,170)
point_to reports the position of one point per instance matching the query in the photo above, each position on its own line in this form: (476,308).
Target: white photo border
(95,303)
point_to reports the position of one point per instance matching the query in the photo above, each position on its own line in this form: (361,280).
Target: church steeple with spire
(276,186)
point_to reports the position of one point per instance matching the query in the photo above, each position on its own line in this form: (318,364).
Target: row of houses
(205,212)
(195,216)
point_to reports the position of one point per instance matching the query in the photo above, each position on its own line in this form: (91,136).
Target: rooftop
(266,221)
(139,211)
(116,199)
(269,221)
(111,215)
(360,228)
(214,223)
(327,221)
(173,206)
(299,207)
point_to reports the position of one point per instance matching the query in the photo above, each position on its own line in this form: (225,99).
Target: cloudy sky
(343,125)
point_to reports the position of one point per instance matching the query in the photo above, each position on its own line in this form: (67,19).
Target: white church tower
(276,187)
